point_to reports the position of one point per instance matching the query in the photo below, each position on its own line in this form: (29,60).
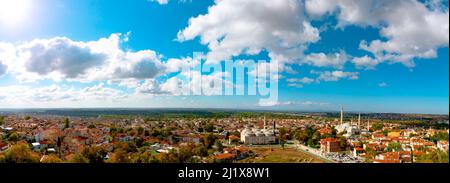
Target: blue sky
(362,55)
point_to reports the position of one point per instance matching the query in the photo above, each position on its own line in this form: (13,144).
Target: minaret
(368,124)
(359,119)
(342,115)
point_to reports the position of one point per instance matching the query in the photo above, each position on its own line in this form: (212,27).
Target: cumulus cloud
(234,27)
(326,76)
(335,75)
(365,62)
(61,58)
(3,68)
(412,29)
(336,60)
(299,82)
(62,55)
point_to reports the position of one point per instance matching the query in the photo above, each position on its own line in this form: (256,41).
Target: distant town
(220,136)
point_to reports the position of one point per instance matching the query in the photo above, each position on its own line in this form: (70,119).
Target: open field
(279,155)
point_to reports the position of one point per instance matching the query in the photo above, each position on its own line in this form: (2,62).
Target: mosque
(256,136)
(351,128)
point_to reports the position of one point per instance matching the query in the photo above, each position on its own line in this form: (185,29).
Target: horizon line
(214,108)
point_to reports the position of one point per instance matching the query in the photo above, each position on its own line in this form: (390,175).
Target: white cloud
(162,2)
(58,96)
(295,85)
(317,8)
(335,75)
(412,29)
(299,82)
(235,27)
(305,80)
(365,62)
(3,68)
(336,60)
(382,84)
(62,55)
(326,76)
(61,58)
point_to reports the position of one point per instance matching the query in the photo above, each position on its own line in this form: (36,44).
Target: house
(233,138)
(388,157)
(239,152)
(225,157)
(358,151)
(330,145)
(51,150)
(4,146)
(442,145)
(324,131)
(36,146)
(378,136)
(196,139)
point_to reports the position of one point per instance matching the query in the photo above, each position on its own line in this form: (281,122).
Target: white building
(349,128)
(257,136)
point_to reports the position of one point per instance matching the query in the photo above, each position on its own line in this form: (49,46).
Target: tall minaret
(359,120)
(342,115)
(368,124)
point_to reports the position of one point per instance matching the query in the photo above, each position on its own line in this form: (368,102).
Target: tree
(439,137)
(394,146)
(208,127)
(78,158)
(120,156)
(200,150)
(27,117)
(20,153)
(219,145)
(302,136)
(343,142)
(208,140)
(370,154)
(333,132)
(2,120)
(139,142)
(282,134)
(433,157)
(144,157)
(170,157)
(185,153)
(385,133)
(59,142)
(13,137)
(94,154)
(66,123)
(377,126)
(220,130)
(140,130)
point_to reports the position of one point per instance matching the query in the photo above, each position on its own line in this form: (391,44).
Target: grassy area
(279,155)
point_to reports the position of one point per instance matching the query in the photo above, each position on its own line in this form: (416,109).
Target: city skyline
(368,56)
